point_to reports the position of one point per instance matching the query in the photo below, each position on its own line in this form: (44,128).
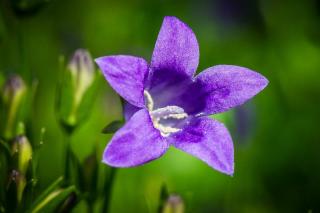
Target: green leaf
(5,147)
(112,127)
(52,201)
(49,190)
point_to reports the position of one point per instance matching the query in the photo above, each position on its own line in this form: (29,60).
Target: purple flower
(168,106)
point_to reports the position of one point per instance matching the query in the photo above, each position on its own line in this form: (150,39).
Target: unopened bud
(79,78)
(13,93)
(22,148)
(20,182)
(174,204)
(83,73)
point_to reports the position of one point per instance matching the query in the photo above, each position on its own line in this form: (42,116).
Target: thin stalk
(68,159)
(108,189)
(90,207)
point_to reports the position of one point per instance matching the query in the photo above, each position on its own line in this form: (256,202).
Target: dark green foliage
(112,127)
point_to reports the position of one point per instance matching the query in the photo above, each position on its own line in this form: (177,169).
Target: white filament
(168,112)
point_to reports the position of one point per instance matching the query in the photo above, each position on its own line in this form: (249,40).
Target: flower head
(168,106)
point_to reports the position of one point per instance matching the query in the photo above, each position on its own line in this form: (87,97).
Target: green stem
(68,159)
(108,189)
(90,207)
(3,170)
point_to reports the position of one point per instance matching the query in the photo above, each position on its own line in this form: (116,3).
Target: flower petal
(176,50)
(225,86)
(208,140)
(126,75)
(136,143)
(129,110)
(219,88)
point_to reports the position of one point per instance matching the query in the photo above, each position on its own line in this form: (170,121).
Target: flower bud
(82,69)
(77,89)
(13,93)
(174,204)
(23,149)
(19,182)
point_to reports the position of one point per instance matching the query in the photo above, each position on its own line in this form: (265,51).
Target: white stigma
(161,114)
(148,100)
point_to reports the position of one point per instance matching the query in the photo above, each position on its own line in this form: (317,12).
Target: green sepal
(64,100)
(87,102)
(71,114)
(112,127)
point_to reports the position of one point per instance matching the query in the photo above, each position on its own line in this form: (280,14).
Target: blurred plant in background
(19,157)
(13,95)
(75,98)
(76,92)
(277,161)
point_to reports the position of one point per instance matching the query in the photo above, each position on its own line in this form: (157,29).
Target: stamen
(176,116)
(168,112)
(165,130)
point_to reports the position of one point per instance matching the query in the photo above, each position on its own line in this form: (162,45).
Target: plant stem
(108,189)
(67,165)
(90,207)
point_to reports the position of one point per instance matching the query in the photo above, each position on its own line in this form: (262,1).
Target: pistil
(174,113)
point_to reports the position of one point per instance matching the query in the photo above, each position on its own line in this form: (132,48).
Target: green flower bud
(22,148)
(77,90)
(174,204)
(82,69)
(19,181)
(13,93)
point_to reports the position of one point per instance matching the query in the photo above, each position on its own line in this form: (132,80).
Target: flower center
(165,119)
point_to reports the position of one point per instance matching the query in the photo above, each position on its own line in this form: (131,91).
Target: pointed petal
(126,75)
(136,143)
(223,87)
(208,140)
(176,51)
(218,89)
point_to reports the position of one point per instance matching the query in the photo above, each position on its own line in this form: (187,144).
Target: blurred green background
(276,134)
